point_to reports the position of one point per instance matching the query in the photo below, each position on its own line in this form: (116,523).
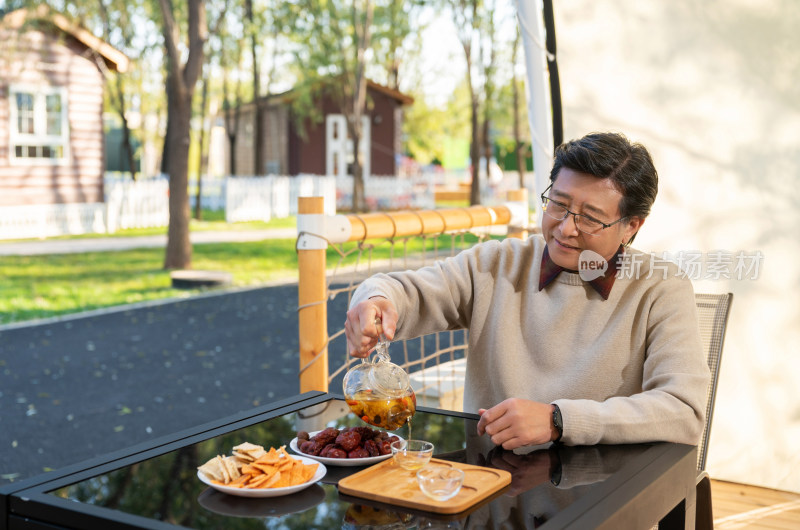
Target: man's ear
(632,227)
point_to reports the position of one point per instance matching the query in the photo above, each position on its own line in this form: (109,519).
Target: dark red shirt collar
(603,284)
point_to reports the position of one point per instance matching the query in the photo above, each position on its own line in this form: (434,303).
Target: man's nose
(569,225)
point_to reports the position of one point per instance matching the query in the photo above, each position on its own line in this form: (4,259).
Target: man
(553,354)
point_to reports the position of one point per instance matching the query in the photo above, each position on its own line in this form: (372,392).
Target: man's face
(591,196)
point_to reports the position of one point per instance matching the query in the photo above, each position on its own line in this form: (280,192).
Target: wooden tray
(389,483)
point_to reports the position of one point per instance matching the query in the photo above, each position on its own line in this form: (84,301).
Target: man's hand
(360,329)
(517,422)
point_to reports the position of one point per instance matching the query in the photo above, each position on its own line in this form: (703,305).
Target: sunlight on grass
(46,286)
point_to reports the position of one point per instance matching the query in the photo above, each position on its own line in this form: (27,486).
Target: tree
(392,24)
(515,109)
(488,55)
(202,162)
(118,97)
(181,79)
(333,41)
(253,25)
(230,54)
(465,18)
(355,94)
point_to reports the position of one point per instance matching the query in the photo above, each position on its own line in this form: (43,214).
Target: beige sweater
(624,370)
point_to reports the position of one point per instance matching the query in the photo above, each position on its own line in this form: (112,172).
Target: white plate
(269,492)
(368,461)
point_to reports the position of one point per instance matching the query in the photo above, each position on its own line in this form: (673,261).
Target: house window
(38,129)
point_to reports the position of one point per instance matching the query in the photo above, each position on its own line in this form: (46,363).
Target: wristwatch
(557,423)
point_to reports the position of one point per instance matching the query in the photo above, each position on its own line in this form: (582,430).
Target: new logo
(591,265)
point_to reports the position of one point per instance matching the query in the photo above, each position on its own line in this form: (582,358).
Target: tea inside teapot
(378,391)
(389,414)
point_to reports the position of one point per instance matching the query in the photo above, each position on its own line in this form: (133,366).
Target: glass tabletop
(166,487)
(160,488)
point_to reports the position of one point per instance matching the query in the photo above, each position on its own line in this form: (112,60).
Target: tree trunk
(178,254)
(474,152)
(486,142)
(165,148)
(258,126)
(521,166)
(180,88)
(118,99)
(467,27)
(202,159)
(126,130)
(358,102)
(232,115)
(126,143)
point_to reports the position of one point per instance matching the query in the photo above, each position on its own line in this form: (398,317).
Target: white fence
(389,193)
(49,220)
(140,204)
(145,202)
(264,198)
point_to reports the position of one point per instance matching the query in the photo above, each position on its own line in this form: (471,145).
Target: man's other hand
(517,422)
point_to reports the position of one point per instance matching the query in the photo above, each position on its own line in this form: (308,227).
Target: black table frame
(658,485)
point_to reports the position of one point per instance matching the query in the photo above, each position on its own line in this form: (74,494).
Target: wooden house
(324,148)
(52,74)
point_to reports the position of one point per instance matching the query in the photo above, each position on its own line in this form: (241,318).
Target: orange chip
(240,481)
(309,470)
(266,470)
(272,482)
(271,457)
(283,480)
(257,481)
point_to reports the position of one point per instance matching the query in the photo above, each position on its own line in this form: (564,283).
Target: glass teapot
(378,391)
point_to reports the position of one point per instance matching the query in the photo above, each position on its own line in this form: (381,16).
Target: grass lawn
(45,286)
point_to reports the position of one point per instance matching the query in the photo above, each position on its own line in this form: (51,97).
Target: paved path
(80,386)
(108,244)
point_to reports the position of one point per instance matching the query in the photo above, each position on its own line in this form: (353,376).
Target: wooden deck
(743,506)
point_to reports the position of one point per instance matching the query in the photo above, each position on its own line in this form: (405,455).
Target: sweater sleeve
(435,298)
(675,378)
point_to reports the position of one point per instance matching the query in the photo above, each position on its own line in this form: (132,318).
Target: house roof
(404,99)
(284,97)
(113,57)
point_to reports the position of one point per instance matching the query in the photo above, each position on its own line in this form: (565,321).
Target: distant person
(554,354)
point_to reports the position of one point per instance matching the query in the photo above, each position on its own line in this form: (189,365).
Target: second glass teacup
(412,454)
(440,482)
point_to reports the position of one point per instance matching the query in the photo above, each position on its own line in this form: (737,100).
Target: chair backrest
(712,314)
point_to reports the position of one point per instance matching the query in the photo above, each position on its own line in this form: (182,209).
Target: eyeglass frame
(575,216)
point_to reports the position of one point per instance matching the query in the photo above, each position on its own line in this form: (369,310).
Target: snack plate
(339,461)
(269,492)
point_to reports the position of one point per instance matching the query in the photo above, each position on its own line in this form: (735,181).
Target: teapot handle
(382,348)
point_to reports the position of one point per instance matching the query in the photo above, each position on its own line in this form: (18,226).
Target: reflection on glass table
(156,485)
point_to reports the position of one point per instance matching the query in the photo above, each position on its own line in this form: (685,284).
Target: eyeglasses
(559,212)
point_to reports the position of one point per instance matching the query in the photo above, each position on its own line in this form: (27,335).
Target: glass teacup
(412,454)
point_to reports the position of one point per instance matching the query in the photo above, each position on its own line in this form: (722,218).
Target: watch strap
(557,421)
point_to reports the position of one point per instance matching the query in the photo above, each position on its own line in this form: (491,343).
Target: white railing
(139,204)
(212,193)
(145,202)
(388,192)
(50,220)
(265,198)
